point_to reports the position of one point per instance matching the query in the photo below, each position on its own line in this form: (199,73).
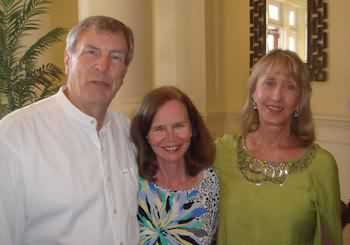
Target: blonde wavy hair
(301,126)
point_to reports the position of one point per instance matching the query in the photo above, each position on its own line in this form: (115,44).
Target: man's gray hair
(101,24)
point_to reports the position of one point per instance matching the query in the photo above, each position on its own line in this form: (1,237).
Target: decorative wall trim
(333,133)
(317,39)
(332,130)
(257,30)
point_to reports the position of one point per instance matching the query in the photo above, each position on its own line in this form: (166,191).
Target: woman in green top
(277,186)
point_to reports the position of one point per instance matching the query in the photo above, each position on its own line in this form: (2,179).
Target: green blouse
(293,212)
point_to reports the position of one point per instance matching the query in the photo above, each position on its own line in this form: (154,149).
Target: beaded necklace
(263,171)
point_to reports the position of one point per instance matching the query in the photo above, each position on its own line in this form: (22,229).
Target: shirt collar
(77,114)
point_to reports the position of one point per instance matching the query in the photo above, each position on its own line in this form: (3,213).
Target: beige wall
(63,13)
(236,52)
(333,97)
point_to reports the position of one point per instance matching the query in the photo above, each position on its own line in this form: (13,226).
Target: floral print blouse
(178,217)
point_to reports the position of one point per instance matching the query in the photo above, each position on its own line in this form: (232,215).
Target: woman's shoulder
(210,178)
(225,150)
(209,187)
(227,142)
(323,161)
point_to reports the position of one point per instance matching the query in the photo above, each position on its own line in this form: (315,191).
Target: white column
(179,47)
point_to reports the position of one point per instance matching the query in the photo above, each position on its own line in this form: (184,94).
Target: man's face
(96,69)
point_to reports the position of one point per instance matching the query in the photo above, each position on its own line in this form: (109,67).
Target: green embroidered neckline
(263,171)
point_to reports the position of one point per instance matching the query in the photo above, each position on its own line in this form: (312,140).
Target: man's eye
(91,52)
(118,57)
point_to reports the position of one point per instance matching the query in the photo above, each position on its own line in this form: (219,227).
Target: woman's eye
(157,129)
(269,83)
(179,125)
(291,86)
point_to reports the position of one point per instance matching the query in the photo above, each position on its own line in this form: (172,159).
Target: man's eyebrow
(118,51)
(112,50)
(90,46)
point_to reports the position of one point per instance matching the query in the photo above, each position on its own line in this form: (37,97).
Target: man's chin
(99,98)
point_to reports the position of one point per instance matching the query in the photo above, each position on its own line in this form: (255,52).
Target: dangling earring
(255,107)
(295,114)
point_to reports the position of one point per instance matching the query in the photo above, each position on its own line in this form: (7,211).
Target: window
(274,12)
(286,25)
(291,18)
(291,43)
(273,37)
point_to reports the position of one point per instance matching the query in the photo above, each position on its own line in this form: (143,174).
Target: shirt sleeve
(11,197)
(325,177)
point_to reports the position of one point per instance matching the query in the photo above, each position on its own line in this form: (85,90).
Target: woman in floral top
(178,191)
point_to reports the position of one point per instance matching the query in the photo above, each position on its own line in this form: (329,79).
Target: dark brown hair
(101,24)
(201,152)
(302,126)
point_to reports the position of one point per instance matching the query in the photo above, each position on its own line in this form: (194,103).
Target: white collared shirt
(62,182)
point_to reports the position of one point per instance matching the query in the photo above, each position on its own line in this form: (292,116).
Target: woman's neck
(174,177)
(273,137)
(173,171)
(273,145)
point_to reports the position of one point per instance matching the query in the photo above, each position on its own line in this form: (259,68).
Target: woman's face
(277,96)
(170,133)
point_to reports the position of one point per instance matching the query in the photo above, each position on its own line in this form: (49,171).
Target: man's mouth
(100,83)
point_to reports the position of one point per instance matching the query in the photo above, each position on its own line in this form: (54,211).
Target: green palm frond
(34,52)
(22,79)
(12,15)
(23,17)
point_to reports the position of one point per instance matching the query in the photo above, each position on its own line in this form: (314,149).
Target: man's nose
(103,63)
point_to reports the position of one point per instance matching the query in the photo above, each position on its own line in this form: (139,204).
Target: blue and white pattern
(178,217)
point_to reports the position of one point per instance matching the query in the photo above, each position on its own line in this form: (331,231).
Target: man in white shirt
(67,168)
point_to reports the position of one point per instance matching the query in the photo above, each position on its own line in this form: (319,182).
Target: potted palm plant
(22,79)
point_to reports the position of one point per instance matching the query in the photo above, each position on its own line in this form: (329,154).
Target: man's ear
(67,58)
